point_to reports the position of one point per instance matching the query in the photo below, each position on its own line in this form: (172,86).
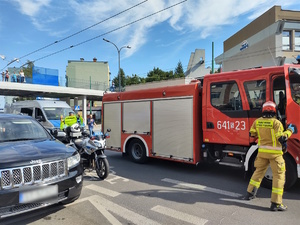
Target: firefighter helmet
(269,107)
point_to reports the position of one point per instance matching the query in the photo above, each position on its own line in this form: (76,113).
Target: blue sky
(160,40)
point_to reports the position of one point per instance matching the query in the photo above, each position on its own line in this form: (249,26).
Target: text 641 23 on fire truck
(208,120)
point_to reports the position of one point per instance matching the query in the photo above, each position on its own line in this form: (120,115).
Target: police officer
(68,121)
(271,146)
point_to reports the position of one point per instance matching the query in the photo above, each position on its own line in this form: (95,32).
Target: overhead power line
(78,32)
(121,27)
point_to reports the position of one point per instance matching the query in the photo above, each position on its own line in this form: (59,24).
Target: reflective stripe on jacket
(268,130)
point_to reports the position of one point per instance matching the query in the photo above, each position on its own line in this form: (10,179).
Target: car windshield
(21,129)
(54,113)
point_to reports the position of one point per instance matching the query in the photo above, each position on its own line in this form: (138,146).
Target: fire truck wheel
(290,175)
(137,151)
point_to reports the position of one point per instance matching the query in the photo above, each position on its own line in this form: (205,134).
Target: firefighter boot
(278,207)
(250,196)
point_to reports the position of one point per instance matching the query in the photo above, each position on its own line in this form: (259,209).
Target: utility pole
(213,59)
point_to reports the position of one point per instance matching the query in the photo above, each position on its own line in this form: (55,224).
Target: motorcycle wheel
(103,169)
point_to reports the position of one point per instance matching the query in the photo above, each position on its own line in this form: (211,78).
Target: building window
(297,40)
(286,40)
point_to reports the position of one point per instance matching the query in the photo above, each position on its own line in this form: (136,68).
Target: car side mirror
(54,133)
(40,118)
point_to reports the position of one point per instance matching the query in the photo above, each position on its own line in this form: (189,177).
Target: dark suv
(36,170)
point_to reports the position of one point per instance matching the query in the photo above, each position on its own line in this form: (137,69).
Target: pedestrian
(3,75)
(6,76)
(91,123)
(18,78)
(22,76)
(271,146)
(79,119)
(14,77)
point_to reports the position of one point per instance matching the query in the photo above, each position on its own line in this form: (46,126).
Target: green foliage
(154,75)
(28,69)
(179,70)
(123,79)
(157,75)
(134,79)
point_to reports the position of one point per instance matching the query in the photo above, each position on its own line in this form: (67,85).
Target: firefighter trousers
(277,163)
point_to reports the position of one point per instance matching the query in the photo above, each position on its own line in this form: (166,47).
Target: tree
(123,79)
(28,69)
(154,75)
(179,70)
(134,79)
(157,75)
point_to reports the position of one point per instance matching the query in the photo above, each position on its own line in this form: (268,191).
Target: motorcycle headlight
(73,160)
(99,144)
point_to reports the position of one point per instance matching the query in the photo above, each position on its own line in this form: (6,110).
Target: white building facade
(270,40)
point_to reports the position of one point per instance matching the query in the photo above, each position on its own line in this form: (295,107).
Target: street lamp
(119,50)
(12,61)
(2,57)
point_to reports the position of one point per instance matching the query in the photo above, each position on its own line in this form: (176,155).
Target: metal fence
(86,84)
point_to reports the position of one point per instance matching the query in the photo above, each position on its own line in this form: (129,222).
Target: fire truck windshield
(294,77)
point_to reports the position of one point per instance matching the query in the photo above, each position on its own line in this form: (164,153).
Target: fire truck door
(226,121)
(293,98)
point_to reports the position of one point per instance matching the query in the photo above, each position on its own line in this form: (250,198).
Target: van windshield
(54,113)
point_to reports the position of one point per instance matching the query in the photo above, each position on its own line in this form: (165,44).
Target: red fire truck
(207,120)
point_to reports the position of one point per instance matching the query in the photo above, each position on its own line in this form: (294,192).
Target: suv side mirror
(40,118)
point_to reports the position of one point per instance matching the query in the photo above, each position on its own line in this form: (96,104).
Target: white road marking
(202,188)
(179,215)
(105,213)
(114,178)
(104,205)
(102,190)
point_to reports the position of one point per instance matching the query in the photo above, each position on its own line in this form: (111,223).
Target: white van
(48,112)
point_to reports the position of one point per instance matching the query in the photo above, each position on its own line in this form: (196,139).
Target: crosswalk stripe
(102,190)
(106,206)
(105,213)
(202,188)
(179,215)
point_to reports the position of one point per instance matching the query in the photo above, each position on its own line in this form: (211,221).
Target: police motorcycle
(91,151)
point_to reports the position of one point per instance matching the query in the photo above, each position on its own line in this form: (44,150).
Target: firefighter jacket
(268,131)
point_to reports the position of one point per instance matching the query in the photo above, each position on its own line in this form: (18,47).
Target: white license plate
(39,194)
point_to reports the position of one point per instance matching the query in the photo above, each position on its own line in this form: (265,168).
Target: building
(270,40)
(196,67)
(87,74)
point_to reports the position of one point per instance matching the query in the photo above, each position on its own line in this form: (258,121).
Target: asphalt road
(163,192)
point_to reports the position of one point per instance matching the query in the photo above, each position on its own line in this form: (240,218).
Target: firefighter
(271,146)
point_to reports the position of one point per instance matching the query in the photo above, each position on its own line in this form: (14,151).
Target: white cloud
(202,16)
(31,7)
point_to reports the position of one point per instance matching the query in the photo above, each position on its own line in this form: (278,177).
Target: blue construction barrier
(45,76)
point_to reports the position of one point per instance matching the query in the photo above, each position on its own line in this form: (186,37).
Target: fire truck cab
(208,120)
